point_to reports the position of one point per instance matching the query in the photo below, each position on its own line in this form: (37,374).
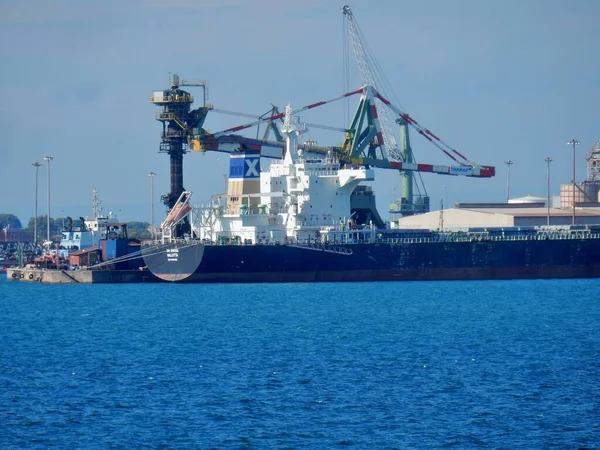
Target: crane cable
(254,116)
(385,88)
(345,69)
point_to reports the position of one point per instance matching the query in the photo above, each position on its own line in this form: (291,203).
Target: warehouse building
(465,215)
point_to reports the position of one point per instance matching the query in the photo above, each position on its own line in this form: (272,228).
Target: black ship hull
(471,260)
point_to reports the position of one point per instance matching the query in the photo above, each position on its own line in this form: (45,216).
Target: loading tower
(179,123)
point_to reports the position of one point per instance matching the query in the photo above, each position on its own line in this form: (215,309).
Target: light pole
(48,158)
(152,175)
(573,143)
(445,195)
(508,163)
(37,168)
(548,161)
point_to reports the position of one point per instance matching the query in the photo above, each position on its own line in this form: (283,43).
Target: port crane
(364,143)
(371,74)
(367,141)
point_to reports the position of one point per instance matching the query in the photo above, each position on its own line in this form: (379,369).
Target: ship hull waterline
(200,263)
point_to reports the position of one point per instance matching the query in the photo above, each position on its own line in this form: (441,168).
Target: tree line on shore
(135,230)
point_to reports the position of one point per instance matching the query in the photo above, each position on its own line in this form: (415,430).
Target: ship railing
(324,172)
(323,247)
(344,238)
(172,99)
(444,237)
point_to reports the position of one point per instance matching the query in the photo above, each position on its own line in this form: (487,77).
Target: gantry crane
(364,143)
(367,141)
(367,66)
(372,75)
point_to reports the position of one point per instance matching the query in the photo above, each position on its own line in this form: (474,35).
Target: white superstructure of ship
(297,200)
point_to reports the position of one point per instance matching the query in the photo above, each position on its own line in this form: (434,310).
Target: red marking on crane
(314,105)
(374,111)
(387,102)
(425,167)
(380,137)
(487,171)
(431,134)
(241,127)
(409,119)
(358,91)
(458,153)
(276,116)
(421,132)
(396,165)
(449,155)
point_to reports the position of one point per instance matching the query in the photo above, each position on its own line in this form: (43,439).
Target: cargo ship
(313,219)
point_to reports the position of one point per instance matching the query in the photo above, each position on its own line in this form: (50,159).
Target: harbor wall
(79,276)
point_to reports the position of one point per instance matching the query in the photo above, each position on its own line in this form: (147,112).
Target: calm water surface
(512,364)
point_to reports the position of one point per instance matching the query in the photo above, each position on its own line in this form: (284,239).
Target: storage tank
(566,195)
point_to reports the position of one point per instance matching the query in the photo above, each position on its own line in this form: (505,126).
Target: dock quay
(57,276)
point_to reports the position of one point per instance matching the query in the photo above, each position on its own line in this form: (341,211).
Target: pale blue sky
(497,80)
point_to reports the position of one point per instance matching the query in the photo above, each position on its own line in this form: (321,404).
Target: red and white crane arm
(224,141)
(281,115)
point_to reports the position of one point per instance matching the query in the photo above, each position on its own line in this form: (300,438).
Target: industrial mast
(179,123)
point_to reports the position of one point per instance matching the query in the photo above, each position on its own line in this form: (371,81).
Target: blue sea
(406,365)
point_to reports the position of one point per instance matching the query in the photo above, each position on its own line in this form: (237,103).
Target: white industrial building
(499,215)
(525,211)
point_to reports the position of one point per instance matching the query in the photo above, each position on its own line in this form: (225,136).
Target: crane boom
(254,116)
(281,115)
(225,141)
(389,145)
(232,143)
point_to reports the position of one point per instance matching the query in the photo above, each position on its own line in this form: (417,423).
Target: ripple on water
(370,365)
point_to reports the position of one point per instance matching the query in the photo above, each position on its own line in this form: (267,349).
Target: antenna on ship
(291,129)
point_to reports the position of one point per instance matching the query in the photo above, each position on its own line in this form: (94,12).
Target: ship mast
(291,129)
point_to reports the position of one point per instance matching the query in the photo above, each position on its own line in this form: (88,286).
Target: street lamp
(152,175)
(37,169)
(508,163)
(48,158)
(548,161)
(573,143)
